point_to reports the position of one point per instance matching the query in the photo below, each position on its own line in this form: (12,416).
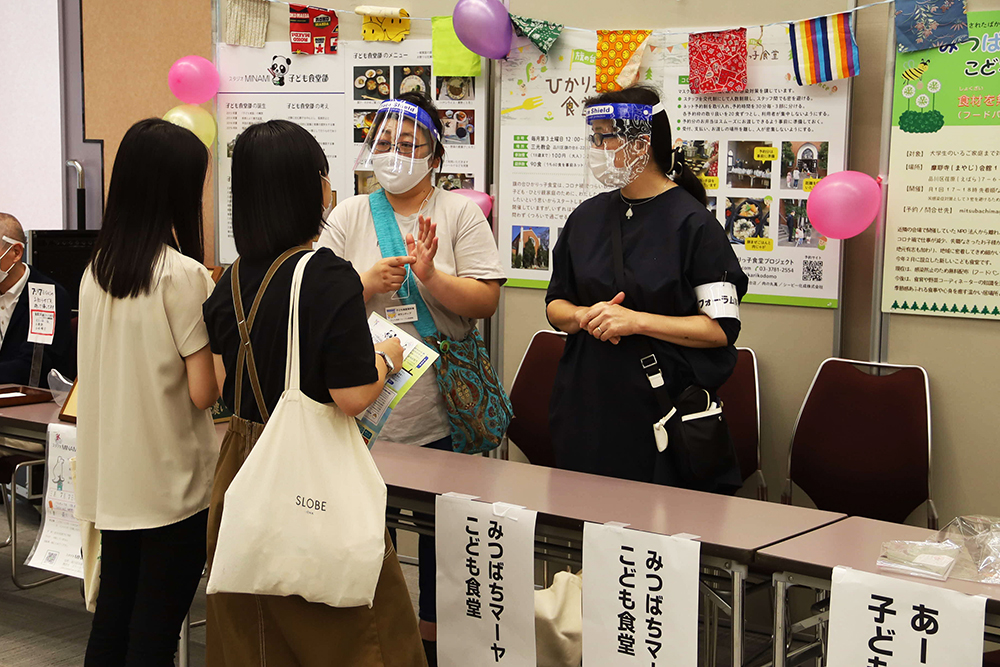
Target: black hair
(424,102)
(660,139)
(277,189)
(155,198)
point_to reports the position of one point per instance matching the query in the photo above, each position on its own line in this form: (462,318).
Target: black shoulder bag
(692,433)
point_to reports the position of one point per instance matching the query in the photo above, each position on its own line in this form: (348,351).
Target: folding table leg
(12,516)
(184,645)
(780,604)
(739,576)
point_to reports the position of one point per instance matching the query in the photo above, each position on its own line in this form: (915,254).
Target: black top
(334,340)
(16,352)
(603,407)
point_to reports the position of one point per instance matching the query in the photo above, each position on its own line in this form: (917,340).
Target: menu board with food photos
(336,98)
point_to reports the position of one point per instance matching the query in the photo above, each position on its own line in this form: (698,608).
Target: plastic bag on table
(930,560)
(979,537)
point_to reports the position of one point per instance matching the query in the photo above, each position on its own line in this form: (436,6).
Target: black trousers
(148,580)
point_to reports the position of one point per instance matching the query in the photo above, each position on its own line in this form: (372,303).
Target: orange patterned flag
(619,53)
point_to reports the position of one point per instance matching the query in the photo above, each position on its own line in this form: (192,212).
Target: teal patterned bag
(478,407)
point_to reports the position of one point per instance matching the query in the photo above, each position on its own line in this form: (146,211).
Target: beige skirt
(251,630)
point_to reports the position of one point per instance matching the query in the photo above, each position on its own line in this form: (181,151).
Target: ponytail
(671,160)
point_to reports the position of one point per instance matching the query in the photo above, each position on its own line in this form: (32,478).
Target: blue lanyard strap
(391,243)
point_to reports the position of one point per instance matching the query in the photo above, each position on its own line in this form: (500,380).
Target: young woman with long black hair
(146,443)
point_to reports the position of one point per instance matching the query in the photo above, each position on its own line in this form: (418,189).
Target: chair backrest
(862,443)
(530,394)
(741,406)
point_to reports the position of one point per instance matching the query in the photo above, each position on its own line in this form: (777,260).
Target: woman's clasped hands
(609,321)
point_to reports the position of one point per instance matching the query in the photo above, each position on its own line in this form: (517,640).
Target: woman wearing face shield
(673,253)
(451,258)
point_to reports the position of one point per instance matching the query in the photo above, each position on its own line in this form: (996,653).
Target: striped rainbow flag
(824,49)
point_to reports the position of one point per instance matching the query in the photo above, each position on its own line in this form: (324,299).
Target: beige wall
(791,342)
(127,52)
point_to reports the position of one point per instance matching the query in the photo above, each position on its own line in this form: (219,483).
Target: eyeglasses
(597,139)
(404,148)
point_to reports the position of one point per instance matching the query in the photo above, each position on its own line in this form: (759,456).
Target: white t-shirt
(465,249)
(145,454)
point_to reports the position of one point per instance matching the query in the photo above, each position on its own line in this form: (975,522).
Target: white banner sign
(640,598)
(57,546)
(41,313)
(485,583)
(889,622)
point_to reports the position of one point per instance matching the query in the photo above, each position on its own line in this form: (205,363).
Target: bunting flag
(718,61)
(450,56)
(928,24)
(824,49)
(542,34)
(312,30)
(385,25)
(619,54)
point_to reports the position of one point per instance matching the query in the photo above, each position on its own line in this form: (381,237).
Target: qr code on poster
(812,270)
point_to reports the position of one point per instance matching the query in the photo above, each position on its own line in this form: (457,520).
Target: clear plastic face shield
(618,143)
(400,146)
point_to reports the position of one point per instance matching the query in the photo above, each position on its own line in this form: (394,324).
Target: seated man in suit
(15,350)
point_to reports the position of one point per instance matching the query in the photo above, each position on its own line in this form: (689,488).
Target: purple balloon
(484,27)
(482,200)
(193,79)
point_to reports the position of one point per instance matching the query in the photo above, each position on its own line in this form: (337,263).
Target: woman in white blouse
(147,447)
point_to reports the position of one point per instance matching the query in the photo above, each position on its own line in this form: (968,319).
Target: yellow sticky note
(386,28)
(808,184)
(765,153)
(760,245)
(709,182)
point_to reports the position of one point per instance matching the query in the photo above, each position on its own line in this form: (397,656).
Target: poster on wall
(758,153)
(942,252)
(336,98)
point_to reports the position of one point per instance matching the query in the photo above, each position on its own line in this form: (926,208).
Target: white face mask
(407,177)
(328,209)
(12,242)
(602,166)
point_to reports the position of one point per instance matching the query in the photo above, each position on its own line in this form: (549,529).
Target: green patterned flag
(542,34)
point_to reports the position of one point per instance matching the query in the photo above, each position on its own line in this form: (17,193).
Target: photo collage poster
(758,154)
(336,98)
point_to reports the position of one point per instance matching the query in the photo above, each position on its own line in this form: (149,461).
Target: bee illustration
(916,73)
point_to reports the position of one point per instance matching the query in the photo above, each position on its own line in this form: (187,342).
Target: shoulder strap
(293,362)
(245,356)
(390,242)
(650,364)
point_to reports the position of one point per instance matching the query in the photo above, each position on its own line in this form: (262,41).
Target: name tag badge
(401,314)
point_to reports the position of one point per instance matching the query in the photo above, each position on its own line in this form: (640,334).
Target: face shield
(618,146)
(400,146)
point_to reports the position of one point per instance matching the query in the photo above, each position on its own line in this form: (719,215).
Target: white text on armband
(718,300)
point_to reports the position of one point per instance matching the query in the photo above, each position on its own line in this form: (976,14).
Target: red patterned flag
(718,61)
(312,30)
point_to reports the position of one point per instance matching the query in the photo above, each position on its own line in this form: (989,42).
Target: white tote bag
(305,515)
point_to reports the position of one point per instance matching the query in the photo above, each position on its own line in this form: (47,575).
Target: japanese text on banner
(485,583)
(890,622)
(640,599)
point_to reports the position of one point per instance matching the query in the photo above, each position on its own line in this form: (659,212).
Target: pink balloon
(484,27)
(193,79)
(843,204)
(482,200)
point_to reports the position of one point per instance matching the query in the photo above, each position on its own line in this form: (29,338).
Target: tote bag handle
(292,361)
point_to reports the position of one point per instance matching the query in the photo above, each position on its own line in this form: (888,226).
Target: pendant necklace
(628,213)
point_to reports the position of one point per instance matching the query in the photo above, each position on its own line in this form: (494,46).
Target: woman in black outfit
(603,406)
